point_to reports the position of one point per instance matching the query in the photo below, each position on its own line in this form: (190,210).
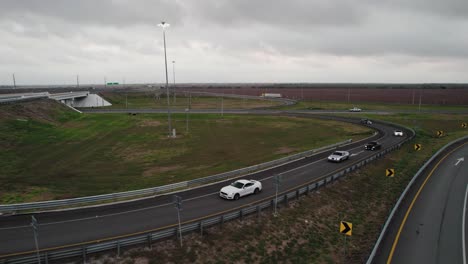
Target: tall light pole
(14,81)
(164,25)
(173,77)
(77,81)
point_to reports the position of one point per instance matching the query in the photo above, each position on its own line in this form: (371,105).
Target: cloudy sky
(51,41)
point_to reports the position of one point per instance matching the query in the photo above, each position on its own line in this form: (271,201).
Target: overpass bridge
(71,99)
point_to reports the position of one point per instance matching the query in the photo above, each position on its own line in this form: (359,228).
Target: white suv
(398,133)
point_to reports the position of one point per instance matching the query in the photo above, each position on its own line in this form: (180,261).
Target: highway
(431,226)
(88,225)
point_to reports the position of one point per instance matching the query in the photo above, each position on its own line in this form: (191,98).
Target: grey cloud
(107,12)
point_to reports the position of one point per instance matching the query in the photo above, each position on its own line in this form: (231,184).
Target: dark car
(366,121)
(372,146)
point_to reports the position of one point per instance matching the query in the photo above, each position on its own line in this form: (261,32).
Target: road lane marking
(463,226)
(397,237)
(355,154)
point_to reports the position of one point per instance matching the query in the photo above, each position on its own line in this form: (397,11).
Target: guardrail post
(222,221)
(201,228)
(149,240)
(286,199)
(118,249)
(259,209)
(307,190)
(84,255)
(46,257)
(241,214)
(297,194)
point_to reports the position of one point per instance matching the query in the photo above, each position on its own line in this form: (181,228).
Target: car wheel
(236,197)
(256,191)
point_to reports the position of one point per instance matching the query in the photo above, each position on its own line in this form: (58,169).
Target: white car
(398,133)
(338,156)
(240,188)
(355,109)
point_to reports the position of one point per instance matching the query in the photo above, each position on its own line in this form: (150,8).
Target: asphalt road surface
(431,227)
(88,225)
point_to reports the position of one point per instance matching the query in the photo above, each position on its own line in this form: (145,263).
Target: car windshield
(337,153)
(236,184)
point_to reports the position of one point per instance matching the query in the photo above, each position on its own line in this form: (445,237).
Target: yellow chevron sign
(417,147)
(390,172)
(346,228)
(440,133)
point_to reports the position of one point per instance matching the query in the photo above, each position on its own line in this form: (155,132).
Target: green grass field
(328,105)
(148,100)
(307,231)
(62,154)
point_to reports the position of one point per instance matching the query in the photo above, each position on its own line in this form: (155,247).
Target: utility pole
(14,81)
(420,91)
(126,94)
(349,94)
(77,81)
(173,77)
(105,82)
(187,110)
(222,106)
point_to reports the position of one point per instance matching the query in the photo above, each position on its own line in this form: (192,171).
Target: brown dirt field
(393,95)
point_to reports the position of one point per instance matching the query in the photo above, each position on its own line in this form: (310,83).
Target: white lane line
(463,226)
(355,154)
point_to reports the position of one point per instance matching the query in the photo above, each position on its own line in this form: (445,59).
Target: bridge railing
(199,225)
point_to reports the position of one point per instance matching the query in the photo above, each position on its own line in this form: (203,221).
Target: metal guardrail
(200,224)
(402,196)
(14,208)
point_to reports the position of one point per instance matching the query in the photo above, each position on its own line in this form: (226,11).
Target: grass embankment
(71,155)
(328,105)
(307,230)
(148,100)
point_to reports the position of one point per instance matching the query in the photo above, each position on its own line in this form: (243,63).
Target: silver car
(338,156)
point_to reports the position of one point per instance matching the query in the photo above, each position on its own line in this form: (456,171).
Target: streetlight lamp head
(163,25)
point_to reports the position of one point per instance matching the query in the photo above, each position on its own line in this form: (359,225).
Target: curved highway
(89,225)
(432,226)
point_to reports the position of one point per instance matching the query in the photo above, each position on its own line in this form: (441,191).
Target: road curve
(430,227)
(89,225)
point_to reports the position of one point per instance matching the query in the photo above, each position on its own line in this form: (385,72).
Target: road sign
(440,133)
(417,147)
(278,179)
(177,202)
(390,172)
(346,228)
(464,125)
(34,223)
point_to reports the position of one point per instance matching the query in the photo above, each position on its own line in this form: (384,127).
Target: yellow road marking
(397,237)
